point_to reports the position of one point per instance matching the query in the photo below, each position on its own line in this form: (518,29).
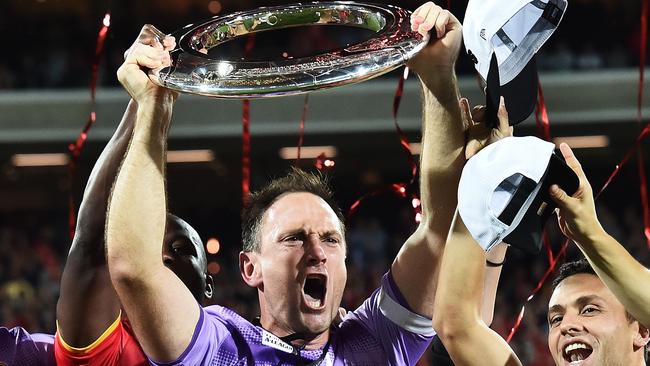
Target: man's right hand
(478,134)
(438,58)
(149,51)
(577,213)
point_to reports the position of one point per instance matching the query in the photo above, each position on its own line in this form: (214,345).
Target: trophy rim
(196,73)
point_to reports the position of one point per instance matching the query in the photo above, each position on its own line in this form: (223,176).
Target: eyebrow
(328,233)
(554,309)
(588,299)
(331,233)
(580,302)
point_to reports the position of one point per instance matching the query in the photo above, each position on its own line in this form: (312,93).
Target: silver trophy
(193,71)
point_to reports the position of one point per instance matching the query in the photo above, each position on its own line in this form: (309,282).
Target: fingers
(147,56)
(465,112)
(575,165)
(559,196)
(502,116)
(441,23)
(426,17)
(478,113)
(169,43)
(418,16)
(475,116)
(151,36)
(472,148)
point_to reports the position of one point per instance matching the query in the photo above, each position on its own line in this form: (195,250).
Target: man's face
(588,325)
(183,253)
(301,264)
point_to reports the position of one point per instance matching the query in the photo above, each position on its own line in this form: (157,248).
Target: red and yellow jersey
(117,346)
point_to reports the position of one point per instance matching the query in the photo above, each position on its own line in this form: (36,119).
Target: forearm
(88,303)
(91,221)
(492,274)
(442,158)
(460,284)
(135,230)
(415,269)
(457,316)
(137,210)
(623,275)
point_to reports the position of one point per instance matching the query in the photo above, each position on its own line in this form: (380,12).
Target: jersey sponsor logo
(273,341)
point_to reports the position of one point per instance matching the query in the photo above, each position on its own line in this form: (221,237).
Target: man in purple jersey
(19,348)
(294,244)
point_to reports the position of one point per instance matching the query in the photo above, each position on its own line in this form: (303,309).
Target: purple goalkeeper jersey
(19,348)
(382,331)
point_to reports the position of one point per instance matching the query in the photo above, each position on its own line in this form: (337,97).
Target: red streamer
(644,133)
(403,140)
(541,115)
(246,134)
(76,147)
(322,162)
(301,136)
(643,183)
(246,151)
(539,286)
(399,189)
(544,132)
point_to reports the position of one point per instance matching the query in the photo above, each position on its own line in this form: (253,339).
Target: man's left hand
(478,134)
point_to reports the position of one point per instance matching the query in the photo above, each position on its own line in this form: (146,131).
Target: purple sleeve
(209,334)
(19,348)
(403,335)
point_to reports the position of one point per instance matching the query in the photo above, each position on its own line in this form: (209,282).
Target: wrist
(497,256)
(160,99)
(153,120)
(441,84)
(436,77)
(594,236)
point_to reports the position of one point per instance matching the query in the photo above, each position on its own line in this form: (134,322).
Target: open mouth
(576,352)
(314,290)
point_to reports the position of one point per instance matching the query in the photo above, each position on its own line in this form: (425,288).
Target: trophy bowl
(193,71)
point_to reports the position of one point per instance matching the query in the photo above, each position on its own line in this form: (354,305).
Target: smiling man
(588,325)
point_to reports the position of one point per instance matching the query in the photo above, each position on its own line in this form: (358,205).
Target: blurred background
(588,70)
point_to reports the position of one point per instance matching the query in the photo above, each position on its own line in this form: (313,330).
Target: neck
(304,340)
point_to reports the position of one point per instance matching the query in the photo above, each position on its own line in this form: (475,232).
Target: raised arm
(415,269)
(623,275)
(161,309)
(457,315)
(88,304)
(445,122)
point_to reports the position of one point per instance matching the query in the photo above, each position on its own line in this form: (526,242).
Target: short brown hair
(296,180)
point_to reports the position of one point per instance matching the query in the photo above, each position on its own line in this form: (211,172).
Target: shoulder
(19,347)
(227,327)
(225,316)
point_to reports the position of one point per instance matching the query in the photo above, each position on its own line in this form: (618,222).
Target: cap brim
(520,94)
(527,236)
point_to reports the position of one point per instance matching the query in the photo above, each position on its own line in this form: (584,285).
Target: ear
(209,287)
(249,268)
(642,337)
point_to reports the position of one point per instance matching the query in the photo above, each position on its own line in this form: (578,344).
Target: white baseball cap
(502,38)
(503,191)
